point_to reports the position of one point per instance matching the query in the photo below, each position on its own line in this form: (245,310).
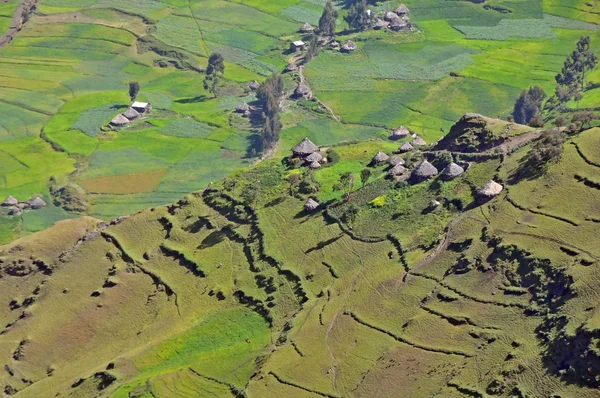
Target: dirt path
(20,17)
(303,81)
(508,146)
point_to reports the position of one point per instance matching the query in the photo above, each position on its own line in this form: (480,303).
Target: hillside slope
(210,296)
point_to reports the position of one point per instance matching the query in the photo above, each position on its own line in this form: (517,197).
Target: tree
(560,121)
(346,183)
(134,89)
(229,184)
(365,174)
(571,79)
(537,121)
(358,18)
(269,95)
(309,184)
(312,50)
(214,72)
(294,181)
(528,105)
(349,215)
(250,193)
(582,118)
(328,20)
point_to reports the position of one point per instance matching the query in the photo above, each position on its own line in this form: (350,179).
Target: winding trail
(303,81)
(24,8)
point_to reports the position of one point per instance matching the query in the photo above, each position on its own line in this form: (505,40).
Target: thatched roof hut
(400,132)
(424,171)
(37,203)
(304,148)
(452,171)
(396,170)
(314,157)
(254,85)
(131,114)
(380,157)
(302,91)
(380,24)
(406,147)
(311,205)
(395,160)
(119,120)
(15,211)
(433,204)
(10,201)
(390,16)
(418,141)
(306,28)
(241,108)
(489,190)
(291,67)
(402,10)
(349,46)
(399,24)
(314,165)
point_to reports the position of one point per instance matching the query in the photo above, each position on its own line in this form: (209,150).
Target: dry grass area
(144,181)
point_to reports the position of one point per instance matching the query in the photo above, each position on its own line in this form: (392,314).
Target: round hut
(400,132)
(314,165)
(402,10)
(398,24)
(390,16)
(314,157)
(406,147)
(241,108)
(37,203)
(397,170)
(424,171)
(418,141)
(302,91)
(349,46)
(10,201)
(304,148)
(452,171)
(15,211)
(254,85)
(131,114)
(311,205)
(380,157)
(119,120)
(291,67)
(433,204)
(490,190)
(395,160)
(306,28)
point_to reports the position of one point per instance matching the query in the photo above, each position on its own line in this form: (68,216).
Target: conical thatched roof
(305,147)
(37,203)
(390,16)
(434,204)
(314,157)
(131,114)
(406,147)
(315,165)
(254,85)
(15,211)
(291,67)
(311,204)
(397,170)
(119,120)
(402,10)
(452,171)
(490,189)
(418,141)
(395,160)
(10,201)
(398,24)
(302,91)
(424,171)
(306,28)
(349,46)
(380,157)
(380,24)
(400,132)
(241,108)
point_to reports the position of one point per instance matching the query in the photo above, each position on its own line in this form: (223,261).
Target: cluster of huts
(134,112)
(395,21)
(309,154)
(16,208)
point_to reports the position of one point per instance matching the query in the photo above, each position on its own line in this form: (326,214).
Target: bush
(332,156)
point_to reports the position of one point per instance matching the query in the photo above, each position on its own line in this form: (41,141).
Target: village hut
(307,28)
(314,165)
(142,107)
(304,148)
(314,157)
(395,160)
(302,91)
(418,141)
(390,16)
(335,44)
(452,171)
(399,133)
(119,120)
(10,201)
(406,147)
(380,24)
(242,108)
(396,170)
(433,204)
(291,67)
(380,157)
(424,171)
(297,45)
(311,205)
(349,46)
(489,190)
(131,114)
(399,24)
(36,203)
(402,10)
(254,85)
(15,211)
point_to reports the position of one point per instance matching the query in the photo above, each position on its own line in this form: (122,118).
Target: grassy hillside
(65,76)
(212,296)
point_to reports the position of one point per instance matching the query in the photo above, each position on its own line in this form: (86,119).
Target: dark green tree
(571,79)
(357,17)
(214,72)
(269,95)
(345,184)
(134,89)
(529,105)
(365,174)
(580,119)
(250,193)
(309,184)
(313,49)
(349,215)
(328,20)
(294,183)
